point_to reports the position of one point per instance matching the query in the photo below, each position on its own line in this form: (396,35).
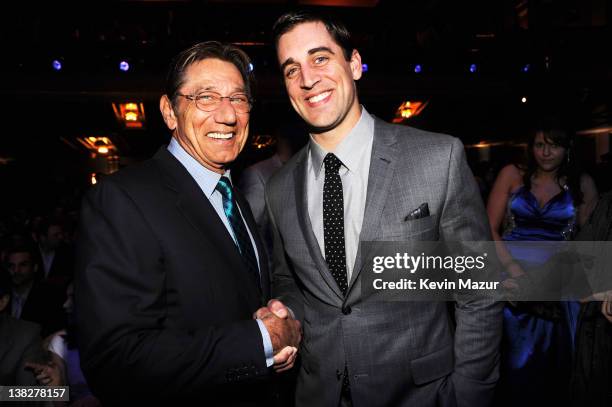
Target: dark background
(566,44)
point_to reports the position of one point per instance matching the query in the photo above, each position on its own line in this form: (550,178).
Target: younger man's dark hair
(336,29)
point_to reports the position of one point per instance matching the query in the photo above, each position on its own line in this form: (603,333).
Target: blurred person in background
(65,354)
(32,298)
(20,342)
(289,139)
(591,383)
(549,199)
(56,256)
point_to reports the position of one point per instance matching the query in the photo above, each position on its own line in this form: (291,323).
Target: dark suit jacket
(164,302)
(398,353)
(62,268)
(20,342)
(44,306)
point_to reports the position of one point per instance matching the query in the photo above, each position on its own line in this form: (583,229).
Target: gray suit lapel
(382,167)
(301,202)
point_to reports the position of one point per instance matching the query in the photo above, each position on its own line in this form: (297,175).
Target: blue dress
(537,352)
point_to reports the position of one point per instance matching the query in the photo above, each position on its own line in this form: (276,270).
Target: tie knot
(332,163)
(224,186)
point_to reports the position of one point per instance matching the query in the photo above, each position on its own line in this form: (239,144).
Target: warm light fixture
(407,110)
(131,114)
(99,146)
(482,144)
(93,179)
(262,141)
(488,144)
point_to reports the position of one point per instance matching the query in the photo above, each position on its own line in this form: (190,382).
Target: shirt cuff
(57,345)
(267,343)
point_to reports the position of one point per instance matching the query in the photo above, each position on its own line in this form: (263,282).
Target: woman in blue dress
(546,200)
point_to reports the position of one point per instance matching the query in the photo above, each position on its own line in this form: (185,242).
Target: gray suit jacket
(397,353)
(253,183)
(20,342)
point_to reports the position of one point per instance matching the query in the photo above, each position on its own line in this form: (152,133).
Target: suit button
(339,374)
(346,310)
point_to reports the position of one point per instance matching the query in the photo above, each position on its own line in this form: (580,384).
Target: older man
(170,267)
(361,180)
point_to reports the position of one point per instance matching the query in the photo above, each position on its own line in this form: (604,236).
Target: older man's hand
(285,333)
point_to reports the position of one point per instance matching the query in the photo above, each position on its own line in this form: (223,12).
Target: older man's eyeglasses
(210,101)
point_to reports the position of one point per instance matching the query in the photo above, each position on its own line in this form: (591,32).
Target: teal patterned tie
(238,227)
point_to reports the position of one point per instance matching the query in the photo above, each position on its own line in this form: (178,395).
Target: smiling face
(319,80)
(548,155)
(214,138)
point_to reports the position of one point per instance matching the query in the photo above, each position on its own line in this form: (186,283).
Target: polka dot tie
(238,227)
(333,221)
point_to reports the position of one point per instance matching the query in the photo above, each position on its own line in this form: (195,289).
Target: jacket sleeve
(478,320)
(33,351)
(284,284)
(128,342)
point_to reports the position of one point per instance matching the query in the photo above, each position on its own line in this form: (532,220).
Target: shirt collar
(205,178)
(347,151)
(24,295)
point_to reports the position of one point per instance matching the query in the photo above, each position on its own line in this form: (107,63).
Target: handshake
(285,333)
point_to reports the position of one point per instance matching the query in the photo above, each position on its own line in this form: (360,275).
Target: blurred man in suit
(56,257)
(20,342)
(254,178)
(289,139)
(170,267)
(33,299)
(360,180)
